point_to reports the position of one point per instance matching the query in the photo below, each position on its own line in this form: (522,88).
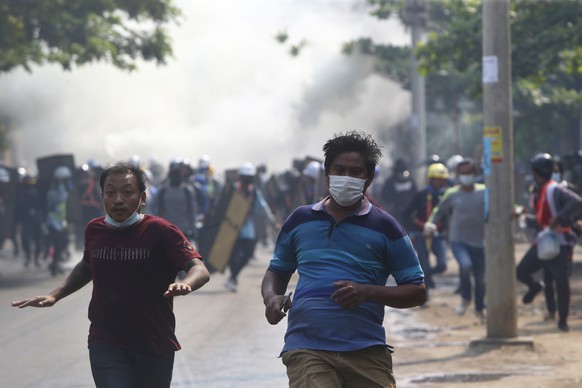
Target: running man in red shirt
(133,260)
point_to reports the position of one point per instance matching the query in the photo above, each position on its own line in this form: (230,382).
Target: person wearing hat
(30,205)
(310,183)
(244,247)
(418,212)
(56,216)
(554,207)
(397,191)
(463,206)
(206,182)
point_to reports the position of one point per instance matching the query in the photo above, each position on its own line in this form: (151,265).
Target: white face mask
(132,219)
(346,190)
(467,180)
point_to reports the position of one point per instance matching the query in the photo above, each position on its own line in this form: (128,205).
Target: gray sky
(231,91)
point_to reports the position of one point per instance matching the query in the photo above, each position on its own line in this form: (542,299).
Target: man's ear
(369,181)
(143,198)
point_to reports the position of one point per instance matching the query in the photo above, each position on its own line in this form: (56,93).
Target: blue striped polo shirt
(366,247)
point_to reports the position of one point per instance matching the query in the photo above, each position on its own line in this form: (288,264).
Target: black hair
(467,162)
(353,141)
(125,168)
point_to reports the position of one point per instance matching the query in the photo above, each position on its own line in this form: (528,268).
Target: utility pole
(417,12)
(498,155)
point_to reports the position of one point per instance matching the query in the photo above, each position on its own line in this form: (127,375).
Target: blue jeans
(438,246)
(113,367)
(471,261)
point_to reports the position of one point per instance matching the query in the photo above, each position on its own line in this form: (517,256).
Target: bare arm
(79,277)
(350,295)
(273,290)
(197,275)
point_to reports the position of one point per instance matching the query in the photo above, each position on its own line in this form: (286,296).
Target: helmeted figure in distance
(30,206)
(452,163)
(463,206)
(178,202)
(208,184)
(56,216)
(244,247)
(419,211)
(398,191)
(554,208)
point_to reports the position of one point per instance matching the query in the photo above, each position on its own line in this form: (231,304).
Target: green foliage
(384,9)
(76,32)
(545,40)
(282,37)
(546,67)
(391,61)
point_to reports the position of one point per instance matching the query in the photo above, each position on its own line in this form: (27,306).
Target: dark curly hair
(125,168)
(353,141)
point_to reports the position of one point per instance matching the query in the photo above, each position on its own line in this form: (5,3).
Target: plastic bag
(548,244)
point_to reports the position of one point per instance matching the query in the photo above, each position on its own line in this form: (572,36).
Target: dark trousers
(113,367)
(31,239)
(59,239)
(556,272)
(241,254)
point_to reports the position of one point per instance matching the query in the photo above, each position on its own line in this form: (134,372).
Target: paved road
(226,340)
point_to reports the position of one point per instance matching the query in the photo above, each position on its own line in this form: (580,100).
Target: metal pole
(417,11)
(498,145)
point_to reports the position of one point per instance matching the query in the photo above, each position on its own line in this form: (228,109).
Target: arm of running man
(273,290)
(77,279)
(197,275)
(350,295)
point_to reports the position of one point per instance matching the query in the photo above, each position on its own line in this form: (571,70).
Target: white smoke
(231,91)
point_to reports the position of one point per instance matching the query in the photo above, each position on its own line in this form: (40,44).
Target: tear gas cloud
(231,91)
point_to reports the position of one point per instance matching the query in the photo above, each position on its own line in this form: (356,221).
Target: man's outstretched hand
(37,301)
(177,289)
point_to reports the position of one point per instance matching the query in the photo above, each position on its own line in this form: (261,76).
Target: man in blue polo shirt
(344,249)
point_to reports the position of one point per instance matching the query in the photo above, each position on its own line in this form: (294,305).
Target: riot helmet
(543,165)
(247,169)
(438,171)
(62,172)
(312,169)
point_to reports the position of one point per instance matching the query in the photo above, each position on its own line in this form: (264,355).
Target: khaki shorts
(369,367)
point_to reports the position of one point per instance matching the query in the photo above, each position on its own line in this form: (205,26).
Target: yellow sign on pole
(496,138)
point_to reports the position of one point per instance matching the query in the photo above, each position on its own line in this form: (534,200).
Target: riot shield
(222,225)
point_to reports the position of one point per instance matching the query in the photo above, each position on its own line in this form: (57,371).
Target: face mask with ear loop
(346,190)
(131,220)
(467,179)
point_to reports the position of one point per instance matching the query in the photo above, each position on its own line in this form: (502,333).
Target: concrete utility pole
(417,12)
(498,146)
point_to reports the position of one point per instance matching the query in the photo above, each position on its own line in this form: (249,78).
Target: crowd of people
(42,217)
(42,224)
